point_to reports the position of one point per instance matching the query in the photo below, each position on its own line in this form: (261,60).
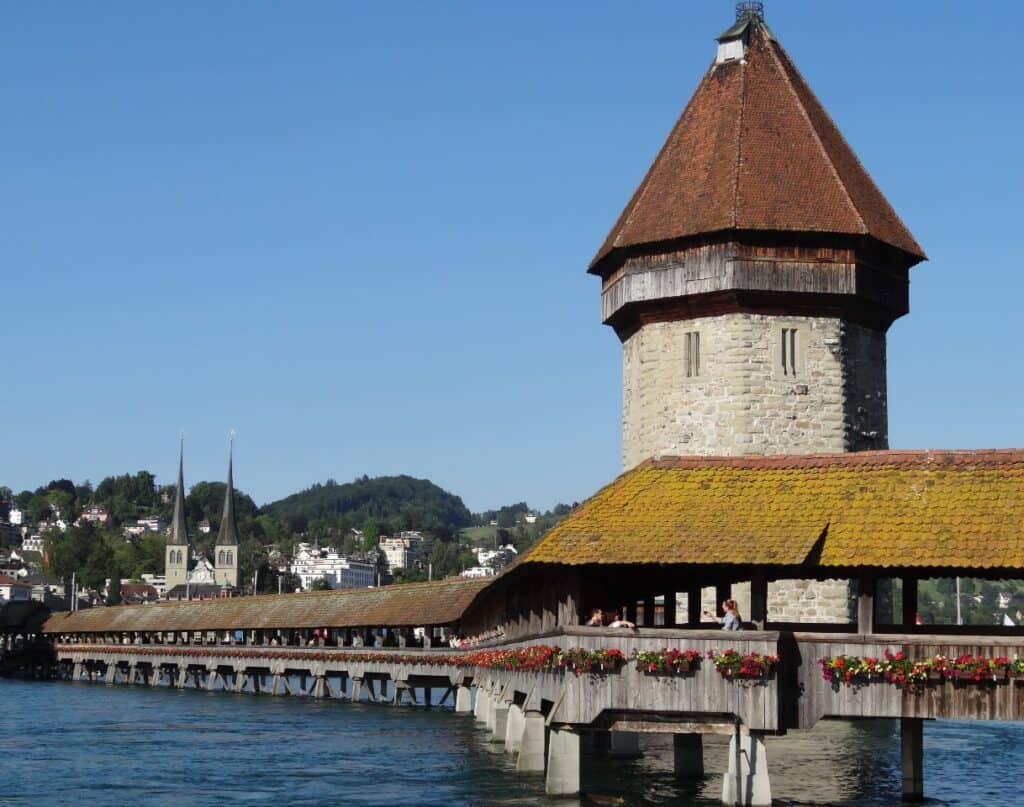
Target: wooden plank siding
(945,699)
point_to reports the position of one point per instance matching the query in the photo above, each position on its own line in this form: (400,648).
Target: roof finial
(750,9)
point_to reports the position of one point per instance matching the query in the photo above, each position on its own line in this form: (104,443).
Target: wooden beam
(758,599)
(649,611)
(670,609)
(909,601)
(693,605)
(866,585)
(723,592)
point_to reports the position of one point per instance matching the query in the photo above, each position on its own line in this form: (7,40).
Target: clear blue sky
(358,233)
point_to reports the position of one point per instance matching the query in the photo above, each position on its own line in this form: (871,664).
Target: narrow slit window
(788,354)
(692,354)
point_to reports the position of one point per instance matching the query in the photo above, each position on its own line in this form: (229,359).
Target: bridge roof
(405,605)
(937,509)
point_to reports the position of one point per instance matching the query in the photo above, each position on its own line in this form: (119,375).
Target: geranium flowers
(896,668)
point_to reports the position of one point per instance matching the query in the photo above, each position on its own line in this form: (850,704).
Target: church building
(195,576)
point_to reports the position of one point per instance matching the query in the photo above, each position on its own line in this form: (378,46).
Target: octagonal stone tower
(754,273)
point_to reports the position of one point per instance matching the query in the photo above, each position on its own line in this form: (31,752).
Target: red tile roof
(755,150)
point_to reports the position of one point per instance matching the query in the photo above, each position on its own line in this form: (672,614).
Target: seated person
(614,620)
(596,619)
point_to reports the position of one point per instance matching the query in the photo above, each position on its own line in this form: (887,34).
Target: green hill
(412,503)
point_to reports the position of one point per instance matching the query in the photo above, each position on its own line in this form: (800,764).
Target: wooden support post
(670,609)
(649,611)
(759,599)
(693,605)
(909,602)
(912,757)
(866,585)
(723,592)
(631,610)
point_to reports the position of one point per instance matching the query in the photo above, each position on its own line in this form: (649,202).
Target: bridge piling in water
(912,758)
(688,755)
(563,771)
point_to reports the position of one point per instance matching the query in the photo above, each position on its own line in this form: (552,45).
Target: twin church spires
(179,568)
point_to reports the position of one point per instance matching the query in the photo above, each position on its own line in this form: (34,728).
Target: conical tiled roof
(754,150)
(179,529)
(227,535)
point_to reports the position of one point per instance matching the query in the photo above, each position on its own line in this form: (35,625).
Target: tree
(321,584)
(39,508)
(114,591)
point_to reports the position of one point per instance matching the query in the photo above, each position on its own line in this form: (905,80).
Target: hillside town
(309,565)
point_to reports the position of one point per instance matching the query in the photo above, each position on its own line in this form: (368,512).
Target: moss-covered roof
(940,509)
(406,605)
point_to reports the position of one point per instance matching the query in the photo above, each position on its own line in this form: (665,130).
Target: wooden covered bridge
(647,545)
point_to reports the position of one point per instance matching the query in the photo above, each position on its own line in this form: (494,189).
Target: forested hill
(417,503)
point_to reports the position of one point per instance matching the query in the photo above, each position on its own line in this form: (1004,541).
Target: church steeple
(227,535)
(179,529)
(226,570)
(176,553)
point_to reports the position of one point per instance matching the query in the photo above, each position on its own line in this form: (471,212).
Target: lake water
(93,744)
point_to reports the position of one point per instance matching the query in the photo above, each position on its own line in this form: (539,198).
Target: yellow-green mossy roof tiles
(406,605)
(882,508)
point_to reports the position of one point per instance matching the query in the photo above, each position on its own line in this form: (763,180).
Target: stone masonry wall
(742,401)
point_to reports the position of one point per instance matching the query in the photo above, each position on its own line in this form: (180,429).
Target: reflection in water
(100,745)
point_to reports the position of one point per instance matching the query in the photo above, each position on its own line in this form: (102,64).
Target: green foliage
(402,501)
(206,500)
(321,585)
(114,592)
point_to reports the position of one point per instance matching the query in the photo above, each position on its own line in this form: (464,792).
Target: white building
(12,590)
(153,524)
(496,558)
(313,563)
(16,517)
(400,551)
(95,514)
(33,543)
(478,571)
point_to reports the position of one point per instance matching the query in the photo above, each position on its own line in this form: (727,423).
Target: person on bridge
(732,619)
